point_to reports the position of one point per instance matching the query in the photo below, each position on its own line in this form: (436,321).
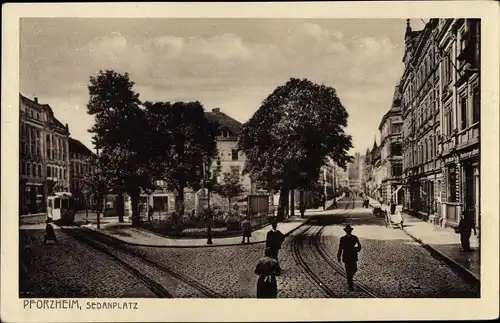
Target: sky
(231,64)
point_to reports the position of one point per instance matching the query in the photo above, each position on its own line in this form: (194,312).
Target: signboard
(469,154)
(451,159)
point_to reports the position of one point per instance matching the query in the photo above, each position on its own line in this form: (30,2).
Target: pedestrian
(267,268)
(349,247)
(465,226)
(302,209)
(246,227)
(393,207)
(49,232)
(150,213)
(334,203)
(274,239)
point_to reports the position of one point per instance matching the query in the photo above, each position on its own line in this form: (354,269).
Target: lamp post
(208,212)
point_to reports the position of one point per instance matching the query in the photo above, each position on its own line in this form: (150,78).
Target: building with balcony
(81,161)
(391,160)
(459,43)
(441,111)
(43,155)
(421,121)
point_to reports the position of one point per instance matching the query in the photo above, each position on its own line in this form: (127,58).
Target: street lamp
(208,212)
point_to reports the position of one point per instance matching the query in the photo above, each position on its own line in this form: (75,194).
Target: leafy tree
(290,136)
(229,188)
(183,139)
(119,134)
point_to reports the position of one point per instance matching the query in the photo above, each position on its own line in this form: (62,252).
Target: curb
(184,246)
(450,261)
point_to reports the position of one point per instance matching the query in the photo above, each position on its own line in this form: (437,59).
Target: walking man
(50,234)
(349,247)
(274,239)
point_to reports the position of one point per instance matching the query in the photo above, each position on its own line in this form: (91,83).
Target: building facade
(81,161)
(228,160)
(391,159)
(43,155)
(441,111)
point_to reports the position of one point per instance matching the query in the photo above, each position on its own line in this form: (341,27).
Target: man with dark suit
(349,247)
(274,239)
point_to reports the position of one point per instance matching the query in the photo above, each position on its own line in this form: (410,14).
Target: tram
(60,208)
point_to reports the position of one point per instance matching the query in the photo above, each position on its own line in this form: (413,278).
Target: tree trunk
(120,207)
(292,202)
(134,198)
(179,202)
(282,204)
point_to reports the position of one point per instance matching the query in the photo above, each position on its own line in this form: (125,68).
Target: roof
(224,121)
(395,107)
(78,147)
(45,107)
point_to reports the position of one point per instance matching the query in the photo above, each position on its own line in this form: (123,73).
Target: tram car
(60,208)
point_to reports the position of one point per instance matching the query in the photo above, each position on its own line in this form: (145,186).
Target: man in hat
(349,247)
(274,239)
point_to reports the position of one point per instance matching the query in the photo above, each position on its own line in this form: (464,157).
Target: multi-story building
(377,172)
(421,115)
(81,165)
(391,163)
(43,155)
(441,111)
(459,43)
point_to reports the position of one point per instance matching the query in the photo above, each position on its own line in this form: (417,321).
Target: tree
(120,135)
(287,141)
(184,140)
(229,188)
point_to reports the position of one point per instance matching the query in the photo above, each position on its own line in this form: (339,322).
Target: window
(40,171)
(235,172)
(160,203)
(29,170)
(452,181)
(57,203)
(47,144)
(396,149)
(23,168)
(397,170)
(463,112)
(234,154)
(476,105)
(449,67)
(396,128)
(49,173)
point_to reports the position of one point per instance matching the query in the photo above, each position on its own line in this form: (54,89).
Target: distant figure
(349,247)
(393,207)
(302,209)
(246,227)
(267,268)
(465,228)
(150,213)
(274,239)
(49,232)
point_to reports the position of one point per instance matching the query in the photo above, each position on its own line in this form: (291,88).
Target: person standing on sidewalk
(246,227)
(465,228)
(302,209)
(349,247)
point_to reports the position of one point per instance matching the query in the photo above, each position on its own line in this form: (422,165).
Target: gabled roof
(52,118)
(78,147)
(224,121)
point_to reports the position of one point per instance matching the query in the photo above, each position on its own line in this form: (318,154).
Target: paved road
(87,265)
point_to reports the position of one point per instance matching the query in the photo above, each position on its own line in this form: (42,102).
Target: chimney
(36,99)
(216,110)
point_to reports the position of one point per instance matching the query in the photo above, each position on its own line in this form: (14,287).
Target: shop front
(470,166)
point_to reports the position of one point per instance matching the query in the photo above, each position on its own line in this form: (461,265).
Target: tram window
(57,203)
(65,204)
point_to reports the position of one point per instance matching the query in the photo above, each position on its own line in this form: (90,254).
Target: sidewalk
(443,242)
(140,237)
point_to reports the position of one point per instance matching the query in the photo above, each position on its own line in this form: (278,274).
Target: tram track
(315,243)
(156,288)
(93,238)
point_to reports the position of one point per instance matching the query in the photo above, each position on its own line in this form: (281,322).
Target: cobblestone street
(391,264)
